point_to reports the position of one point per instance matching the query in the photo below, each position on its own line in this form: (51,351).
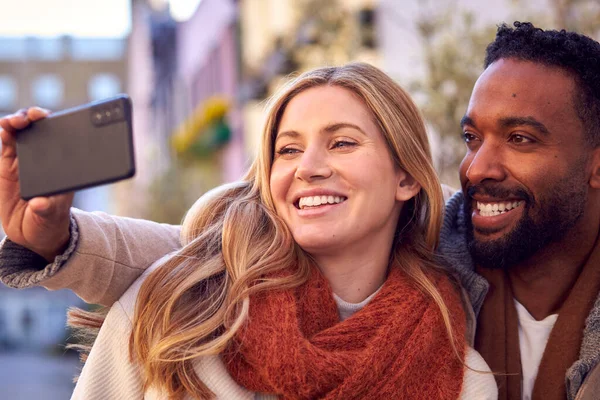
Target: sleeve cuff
(21,268)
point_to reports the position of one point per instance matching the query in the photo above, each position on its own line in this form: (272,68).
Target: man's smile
(493,215)
(492,209)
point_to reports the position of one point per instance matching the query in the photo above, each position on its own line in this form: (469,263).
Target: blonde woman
(313,277)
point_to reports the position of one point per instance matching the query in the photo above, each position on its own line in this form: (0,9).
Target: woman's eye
(287,150)
(343,144)
(520,139)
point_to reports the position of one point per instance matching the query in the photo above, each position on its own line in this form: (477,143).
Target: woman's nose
(313,165)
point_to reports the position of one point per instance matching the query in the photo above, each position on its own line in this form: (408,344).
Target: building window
(48,91)
(47,49)
(84,49)
(8,92)
(13,48)
(102,86)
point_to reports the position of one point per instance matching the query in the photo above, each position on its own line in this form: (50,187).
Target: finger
(19,120)
(37,113)
(5,123)
(7,136)
(40,205)
(8,140)
(52,208)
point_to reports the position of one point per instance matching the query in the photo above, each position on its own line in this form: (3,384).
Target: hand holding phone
(40,224)
(78,148)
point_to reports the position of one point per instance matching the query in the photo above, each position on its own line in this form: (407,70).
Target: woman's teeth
(493,209)
(313,201)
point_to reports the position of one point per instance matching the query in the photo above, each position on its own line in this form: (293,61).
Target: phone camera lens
(98,117)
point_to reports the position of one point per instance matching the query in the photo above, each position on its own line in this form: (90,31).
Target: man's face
(524,174)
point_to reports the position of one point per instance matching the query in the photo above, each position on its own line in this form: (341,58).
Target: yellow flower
(206,113)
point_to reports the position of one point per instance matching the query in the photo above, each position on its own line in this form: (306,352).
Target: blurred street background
(199,72)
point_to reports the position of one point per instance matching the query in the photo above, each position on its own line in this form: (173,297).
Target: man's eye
(520,139)
(468,137)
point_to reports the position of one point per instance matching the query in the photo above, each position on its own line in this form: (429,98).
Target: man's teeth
(313,201)
(493,209)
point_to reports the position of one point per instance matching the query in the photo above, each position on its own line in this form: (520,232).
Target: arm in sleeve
(21,268)
(105,255)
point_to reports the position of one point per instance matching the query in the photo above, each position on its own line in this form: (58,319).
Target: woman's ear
(407,188)
(595,164)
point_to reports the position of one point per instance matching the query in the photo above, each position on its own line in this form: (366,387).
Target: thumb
(51,208)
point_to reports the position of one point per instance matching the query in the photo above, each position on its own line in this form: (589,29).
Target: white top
(533,336)
(108,373)
(345,309)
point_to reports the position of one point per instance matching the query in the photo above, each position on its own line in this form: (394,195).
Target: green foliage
(216,136)
(327,35)
(453,50)
(581,16)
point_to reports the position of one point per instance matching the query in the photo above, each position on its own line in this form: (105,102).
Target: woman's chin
(319,246)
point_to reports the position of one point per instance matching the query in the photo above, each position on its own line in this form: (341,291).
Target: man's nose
(486,163)
(314,165)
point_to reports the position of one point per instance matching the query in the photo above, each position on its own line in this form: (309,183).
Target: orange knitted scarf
(395,347)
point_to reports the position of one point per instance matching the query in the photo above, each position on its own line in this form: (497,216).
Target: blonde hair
(193,305)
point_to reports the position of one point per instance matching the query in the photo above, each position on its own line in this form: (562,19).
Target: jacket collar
(455,254)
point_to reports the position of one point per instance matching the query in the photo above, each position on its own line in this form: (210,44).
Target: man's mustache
(498,191)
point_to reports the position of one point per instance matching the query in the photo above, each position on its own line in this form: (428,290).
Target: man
(522,235)
(528,217)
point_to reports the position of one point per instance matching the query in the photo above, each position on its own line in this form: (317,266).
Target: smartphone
(78,148)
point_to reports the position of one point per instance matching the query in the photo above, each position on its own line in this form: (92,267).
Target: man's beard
(544,221)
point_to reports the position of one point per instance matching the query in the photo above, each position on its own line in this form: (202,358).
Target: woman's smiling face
(333,180)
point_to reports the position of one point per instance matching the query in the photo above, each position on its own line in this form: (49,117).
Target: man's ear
(595,164)
(407,188)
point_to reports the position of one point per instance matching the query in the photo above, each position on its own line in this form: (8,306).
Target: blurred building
(33,319)
(209,65)
(174,67)
(58,73)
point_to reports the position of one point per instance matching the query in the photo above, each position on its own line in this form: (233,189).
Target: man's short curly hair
(575,53)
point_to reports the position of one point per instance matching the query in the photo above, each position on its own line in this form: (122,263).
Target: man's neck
(543,282)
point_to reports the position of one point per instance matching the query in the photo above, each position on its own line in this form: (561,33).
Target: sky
(85,18)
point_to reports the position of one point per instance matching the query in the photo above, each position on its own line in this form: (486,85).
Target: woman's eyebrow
(291,134)
(330,128)
(340,125)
